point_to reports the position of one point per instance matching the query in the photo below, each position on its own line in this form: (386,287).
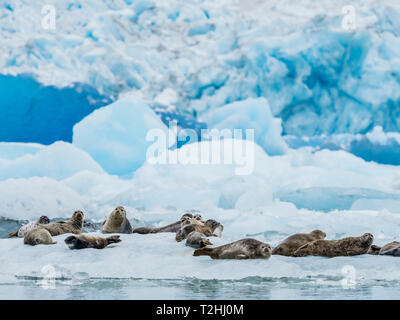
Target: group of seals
(42,231)
(314,243)
(29,226)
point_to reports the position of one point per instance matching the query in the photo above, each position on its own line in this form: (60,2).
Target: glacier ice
(57,161)
(32,112)
(115,135)
(250,114)
(318,77)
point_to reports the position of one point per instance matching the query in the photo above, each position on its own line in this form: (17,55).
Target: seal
(350,246)
(117,222)
(196,239)
(242,249)
(216,227)
(186,229)
(29,226)
(374,250)
(391,249)
(173,227)
(82,241)
(73,225)
(38,236)
(292,243)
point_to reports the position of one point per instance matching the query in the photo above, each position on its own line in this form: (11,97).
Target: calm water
(250,288)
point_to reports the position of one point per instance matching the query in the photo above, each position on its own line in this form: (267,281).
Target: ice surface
(376,145)
(115,135)
(58,161)
(141,256)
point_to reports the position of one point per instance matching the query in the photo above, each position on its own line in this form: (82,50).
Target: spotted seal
(242,249)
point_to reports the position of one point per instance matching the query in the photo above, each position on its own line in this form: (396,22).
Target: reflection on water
(192,288)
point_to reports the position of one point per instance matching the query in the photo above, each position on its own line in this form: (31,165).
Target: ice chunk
(31,198)
(58,161)
(250,114)
(115,135)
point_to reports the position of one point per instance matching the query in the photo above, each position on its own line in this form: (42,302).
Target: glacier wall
(31,112)
(317,77)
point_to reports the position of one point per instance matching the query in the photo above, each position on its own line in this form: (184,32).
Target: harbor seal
(185,230)
(216,227)
(82,241)
(350,246)
(29,226)
(374,250)
(196,239)
(242,249)
(391,249)
(292,243)
(73,225)
(173,227)
(38,236)
(117,222)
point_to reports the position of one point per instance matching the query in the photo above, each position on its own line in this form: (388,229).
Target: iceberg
(115,135)
(250,114)
(57,161)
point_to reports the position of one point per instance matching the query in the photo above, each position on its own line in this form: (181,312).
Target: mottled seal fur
(73,225)
(185,230)
(241,249)
(350,246)
(82,241)
(117,222)
(29,226)
(216,227)
(173,227)
(38,236)
(374,250)
(391,249)
(196,239)
(292,243)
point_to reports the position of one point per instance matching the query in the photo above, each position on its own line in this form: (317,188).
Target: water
(196,289)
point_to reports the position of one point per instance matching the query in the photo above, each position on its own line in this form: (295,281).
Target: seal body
(29,226)
(73,225)
(216,227)
(173,227)
(242,249)
(186,229)
(38,236)
(374,250)
(197,240)
(350,246)
(117,222)
(292,243)
(391,249)
(82,241)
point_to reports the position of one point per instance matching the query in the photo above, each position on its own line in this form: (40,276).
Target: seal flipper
(205,252)
(14,234)
(241,256)
(113,239)
(374,250)
(391,252)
